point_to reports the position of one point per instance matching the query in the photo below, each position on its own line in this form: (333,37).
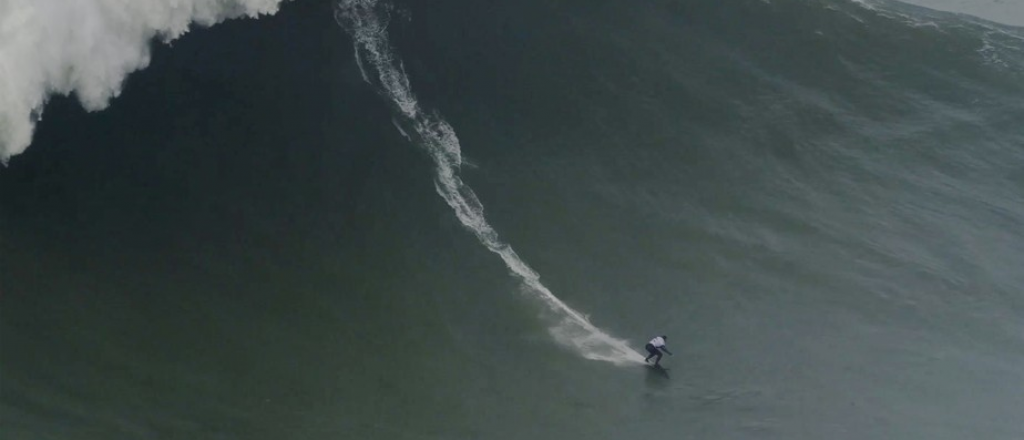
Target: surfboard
(657,370)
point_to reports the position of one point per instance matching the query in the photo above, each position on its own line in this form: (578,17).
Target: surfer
(655,347)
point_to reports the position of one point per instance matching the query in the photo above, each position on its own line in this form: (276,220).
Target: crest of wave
(367,22)
(87,47)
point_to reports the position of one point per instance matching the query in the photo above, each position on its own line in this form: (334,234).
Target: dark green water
(820,203)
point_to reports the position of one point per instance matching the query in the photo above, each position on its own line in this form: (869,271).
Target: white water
(87,47)
(366,21)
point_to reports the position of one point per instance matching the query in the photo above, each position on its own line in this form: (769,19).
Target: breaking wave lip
(87,47)
(366,21)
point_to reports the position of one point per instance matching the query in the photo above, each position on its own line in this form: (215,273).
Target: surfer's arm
(666,350)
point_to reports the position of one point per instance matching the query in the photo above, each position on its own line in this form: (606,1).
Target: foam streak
(367,21)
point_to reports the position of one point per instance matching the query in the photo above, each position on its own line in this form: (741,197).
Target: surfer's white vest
(658,342)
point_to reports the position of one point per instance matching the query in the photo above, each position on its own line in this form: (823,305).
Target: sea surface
(462,219)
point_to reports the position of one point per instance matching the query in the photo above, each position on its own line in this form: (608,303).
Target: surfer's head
(664,337)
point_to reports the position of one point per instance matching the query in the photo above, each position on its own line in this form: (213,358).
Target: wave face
(367,22)
(819,201)
(87,47)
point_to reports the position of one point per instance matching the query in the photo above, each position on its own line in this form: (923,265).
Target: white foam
(87,47)
(366,21)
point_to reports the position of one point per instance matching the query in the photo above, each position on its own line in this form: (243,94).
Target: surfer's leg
(651,351)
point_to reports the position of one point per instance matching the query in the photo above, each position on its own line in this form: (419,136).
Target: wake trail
(366,21)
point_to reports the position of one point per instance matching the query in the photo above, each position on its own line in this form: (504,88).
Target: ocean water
(360,219)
